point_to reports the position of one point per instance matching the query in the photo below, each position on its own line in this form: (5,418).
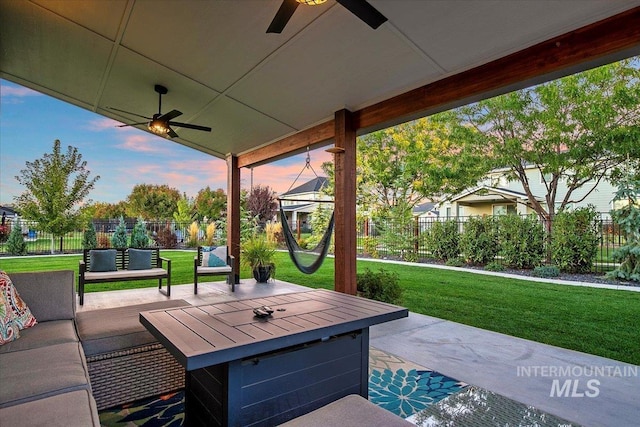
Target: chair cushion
(214,256)
(102,260)
(139,259)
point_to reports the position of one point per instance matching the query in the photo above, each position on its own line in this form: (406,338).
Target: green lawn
(597,321)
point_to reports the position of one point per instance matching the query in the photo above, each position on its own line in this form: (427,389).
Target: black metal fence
(406,241)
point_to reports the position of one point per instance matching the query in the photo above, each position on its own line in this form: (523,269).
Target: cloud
(13,95)
(101,124)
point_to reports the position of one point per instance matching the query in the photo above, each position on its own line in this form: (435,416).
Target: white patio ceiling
(223,71)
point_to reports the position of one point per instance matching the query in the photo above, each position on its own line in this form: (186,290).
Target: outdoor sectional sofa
(44,376)
(69,365)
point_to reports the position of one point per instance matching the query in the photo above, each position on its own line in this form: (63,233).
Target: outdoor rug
(397,385)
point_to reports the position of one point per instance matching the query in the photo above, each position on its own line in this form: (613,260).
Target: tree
(15,242)
(139,236)
(119,238)
(413,161)
(185,210)
(55,186)
(89,238)
(102,210)
(577,131)
(152,201)
(628,217)
(261,203)
(211,204)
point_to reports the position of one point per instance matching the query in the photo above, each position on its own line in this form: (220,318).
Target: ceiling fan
(160,124)
(361,8)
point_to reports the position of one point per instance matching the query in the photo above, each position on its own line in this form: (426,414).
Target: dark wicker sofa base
(132,374)
(126,363)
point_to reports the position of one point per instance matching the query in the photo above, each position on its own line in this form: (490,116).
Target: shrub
(139,236)
(167,238)
(89,238)
(381,286)
(103,240)
(210,234)
(546,271)
(628,217)
(454,262)
(194,234)
(479,241)
(574,243)
(370,246)
(274,233)
(494,266)
(15,242)
(521,240)
(119,238)
(443,240)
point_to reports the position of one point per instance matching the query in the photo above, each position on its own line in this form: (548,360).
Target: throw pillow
(214,256)
(139,259)
(15,308)
(9,331)
(102,260)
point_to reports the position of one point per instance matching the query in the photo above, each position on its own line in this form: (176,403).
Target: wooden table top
(205,335)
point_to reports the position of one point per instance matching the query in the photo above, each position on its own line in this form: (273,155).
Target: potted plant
(258,254)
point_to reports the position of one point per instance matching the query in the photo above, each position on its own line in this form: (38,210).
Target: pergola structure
(325,79)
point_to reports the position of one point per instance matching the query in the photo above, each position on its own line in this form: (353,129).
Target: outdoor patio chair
(213,261)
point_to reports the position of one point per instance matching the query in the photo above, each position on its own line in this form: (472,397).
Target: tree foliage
(119,238)
(15,242)
(261,203)
(139,236)
(628,217)
(55,185)
(421,159)
(211,204)
(89,237)
(152,201)
(185,209)
(577,131)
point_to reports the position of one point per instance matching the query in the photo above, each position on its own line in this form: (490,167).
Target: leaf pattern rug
(395,384)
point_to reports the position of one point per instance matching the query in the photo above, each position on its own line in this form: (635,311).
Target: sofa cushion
(139,259)
(43,334)
(42,372)
(50,295)
(14,305)
(102,260)
(118,328)
(214,256)
(76,408)
(353,411)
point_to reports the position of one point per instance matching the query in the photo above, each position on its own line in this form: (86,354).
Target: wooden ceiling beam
(313,137)
(602,42)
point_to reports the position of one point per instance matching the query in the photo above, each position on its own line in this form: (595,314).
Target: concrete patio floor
(549,378)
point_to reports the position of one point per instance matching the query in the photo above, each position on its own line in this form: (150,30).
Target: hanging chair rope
(307,261)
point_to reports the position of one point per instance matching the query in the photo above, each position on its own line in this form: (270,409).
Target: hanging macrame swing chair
(306,260)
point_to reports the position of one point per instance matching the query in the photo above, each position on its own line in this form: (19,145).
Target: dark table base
(272,388)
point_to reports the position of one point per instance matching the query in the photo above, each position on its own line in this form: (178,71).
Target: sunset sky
(30,122)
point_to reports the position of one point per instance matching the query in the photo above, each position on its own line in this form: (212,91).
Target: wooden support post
(345,203)
(233,213)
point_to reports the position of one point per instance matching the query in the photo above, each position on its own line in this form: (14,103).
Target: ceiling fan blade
(282,16)
(363,10)
(190,126)
(133,124)
(171,133)
(170,115)
(128,112)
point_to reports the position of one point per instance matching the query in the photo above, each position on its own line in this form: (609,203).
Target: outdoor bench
(119,265)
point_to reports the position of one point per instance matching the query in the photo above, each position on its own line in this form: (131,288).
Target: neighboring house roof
(298,208)
(425,208)
(313,186)
(503,192)
(7,210)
